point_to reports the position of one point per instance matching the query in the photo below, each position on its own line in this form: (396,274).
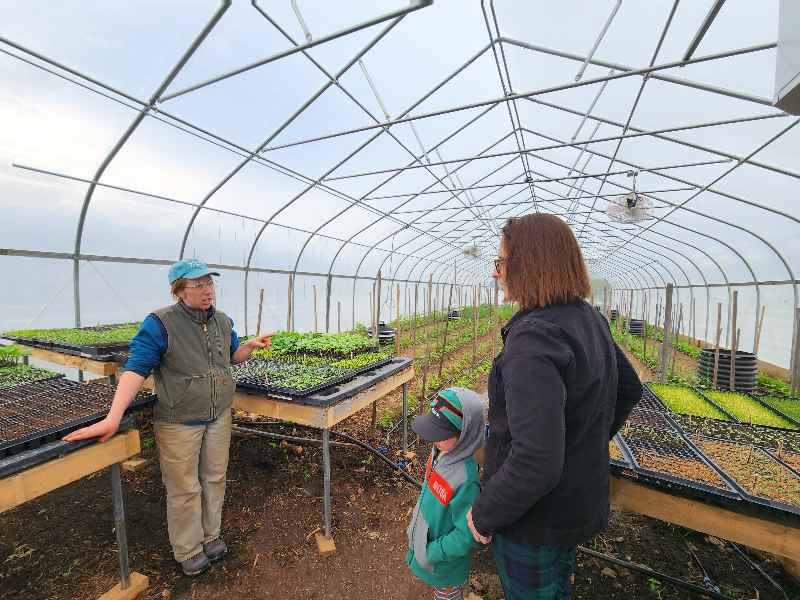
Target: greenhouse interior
(338,177)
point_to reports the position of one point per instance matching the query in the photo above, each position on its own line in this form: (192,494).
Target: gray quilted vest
(193,380)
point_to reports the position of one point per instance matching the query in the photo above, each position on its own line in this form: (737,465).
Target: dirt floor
(62,546)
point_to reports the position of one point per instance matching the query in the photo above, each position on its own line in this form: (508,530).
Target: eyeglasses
(499,261)
(201,285)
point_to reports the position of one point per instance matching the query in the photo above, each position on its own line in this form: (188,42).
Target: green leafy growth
(788,406)
(14,375)
(89,336)
(686,401)
(748,410)
(287,343)
(773,385)
(11,355)
(288,374)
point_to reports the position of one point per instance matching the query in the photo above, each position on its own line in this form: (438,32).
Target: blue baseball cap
(189,269)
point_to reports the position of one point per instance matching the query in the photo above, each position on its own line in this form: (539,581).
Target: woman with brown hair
(558,391)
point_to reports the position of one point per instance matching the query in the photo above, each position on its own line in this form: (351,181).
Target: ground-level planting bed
(686,401)
(743,433)
(748,410)
(788,406)
(756,472)
(19,374)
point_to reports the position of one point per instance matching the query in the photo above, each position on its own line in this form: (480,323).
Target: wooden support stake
(338,316)
(666,345)
(414,322)
(795,356)
(446,323)
(717,339)
(677,338)
(397,326)
(474,327)
(316,323)
(290,305)
(260,308)
(430,297)
(759,327)
(735,340)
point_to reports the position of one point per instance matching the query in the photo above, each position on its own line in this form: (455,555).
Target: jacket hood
(471,438)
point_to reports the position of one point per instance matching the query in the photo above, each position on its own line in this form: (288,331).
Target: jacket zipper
(211,373)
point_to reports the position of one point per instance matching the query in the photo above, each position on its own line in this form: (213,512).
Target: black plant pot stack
(636,327)
(746,369)
(385,333)
(614,314)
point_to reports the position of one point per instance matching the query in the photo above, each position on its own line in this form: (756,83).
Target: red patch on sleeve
(440,488)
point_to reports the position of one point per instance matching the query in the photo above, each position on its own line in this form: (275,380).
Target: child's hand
(481,539)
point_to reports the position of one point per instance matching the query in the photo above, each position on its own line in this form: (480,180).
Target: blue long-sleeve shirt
(149,344)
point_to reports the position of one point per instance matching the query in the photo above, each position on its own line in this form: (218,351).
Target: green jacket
(439,539)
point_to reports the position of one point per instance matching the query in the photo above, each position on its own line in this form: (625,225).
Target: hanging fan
(472,250)
(630,208)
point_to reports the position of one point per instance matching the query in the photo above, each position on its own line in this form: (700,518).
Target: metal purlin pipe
(514,125)
(685,256)
(635,102)
(396,15)
(364,257)
(766,242)
(225,4)
(531,94)
(436,88)
(415,158)
(598,40)
(697,212)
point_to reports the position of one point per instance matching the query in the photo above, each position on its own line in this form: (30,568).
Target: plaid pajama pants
(532,571)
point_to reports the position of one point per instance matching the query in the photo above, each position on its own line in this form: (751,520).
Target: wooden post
(757,340)
(734,350)
(795,357)
(644,337)
(663,363)
(260,308)
(676,337)
(735,340)
(338,317)
(328,291)
(316,322)
(446,323)
(474,327)
(494,315)
(605,300)
(414,322)
(397,325)
(378,301)
(430,296)
(717,339)
(290,308)
(694,321)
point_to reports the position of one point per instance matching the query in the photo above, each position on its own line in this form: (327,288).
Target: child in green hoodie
(439,539)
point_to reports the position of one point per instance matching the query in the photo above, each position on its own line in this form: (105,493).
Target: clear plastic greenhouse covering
(334,140)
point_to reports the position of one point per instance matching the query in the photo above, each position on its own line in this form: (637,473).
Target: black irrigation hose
(607,557)
(349,438)
(758,568)
(655,574)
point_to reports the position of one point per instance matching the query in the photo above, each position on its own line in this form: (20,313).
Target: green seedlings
(99,335)
(686,401)
(788,406)
(14,375)
(748,410)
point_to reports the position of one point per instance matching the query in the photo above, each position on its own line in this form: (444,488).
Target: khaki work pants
(194,461)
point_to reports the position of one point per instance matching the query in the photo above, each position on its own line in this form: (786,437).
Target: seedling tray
(649,401)
(340,392)
(103,353)
(47,451)
(41,412)
(759,477)
(743,433)
(747,398)
(252,385)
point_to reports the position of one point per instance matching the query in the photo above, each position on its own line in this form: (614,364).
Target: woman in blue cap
(189,347)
